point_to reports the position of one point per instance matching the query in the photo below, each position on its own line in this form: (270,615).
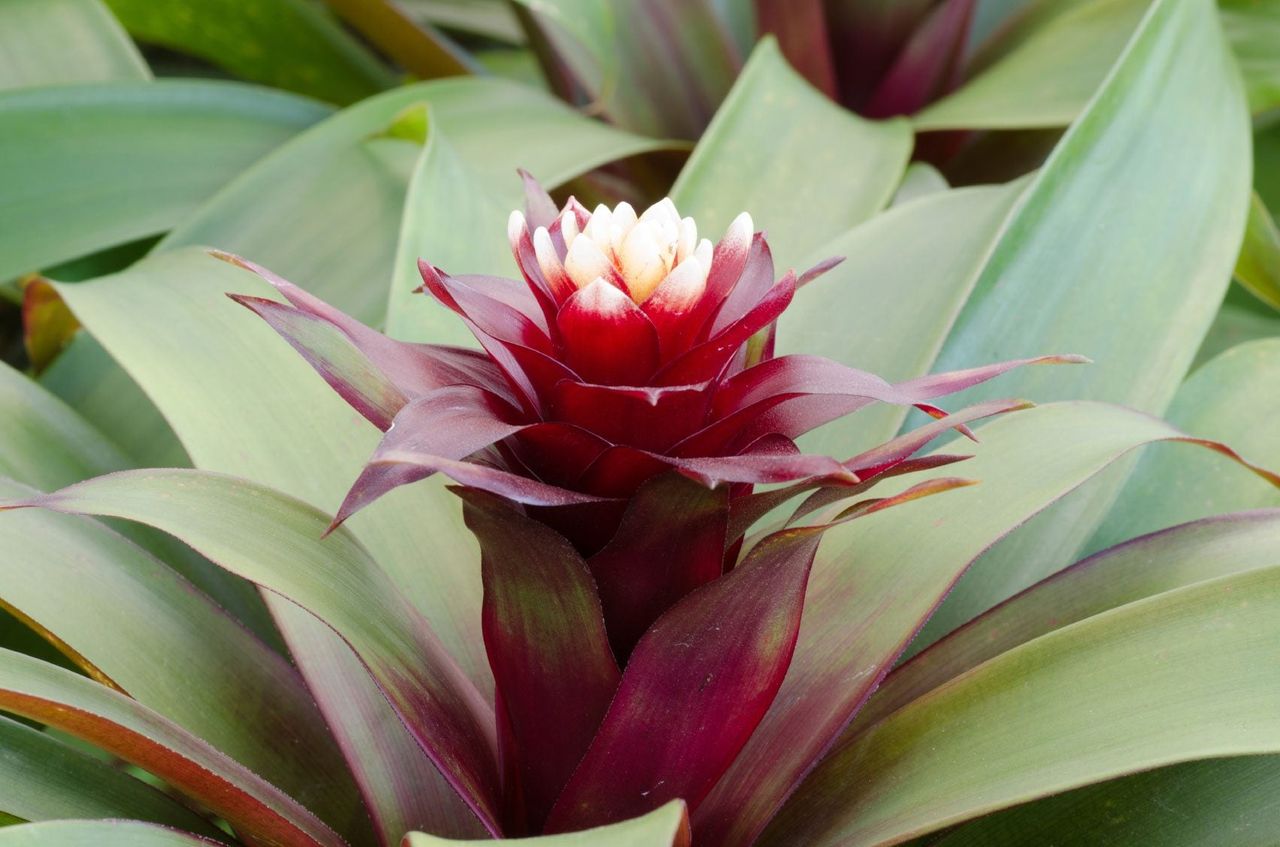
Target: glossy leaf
(130,731)
(349,260)
(41,778)
(132,623)
(289,44)
(72,833)
(278,546)
(1258,267)
(1106,697)
(900,564)
(664,827)
(1048,78)
(816,172)
(1071,265)
(112,163)
(1233,399)
(37,36)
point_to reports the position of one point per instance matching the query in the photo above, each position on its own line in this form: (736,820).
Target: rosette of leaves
(1141,674)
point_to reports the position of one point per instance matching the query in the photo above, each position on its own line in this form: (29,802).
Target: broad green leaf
(490,18)
(279,544)
(289,44)
(1214,803)
(920,179)
(1233,399)
(667,826)
(54,42)
(73,833)
(128,620)
(876,580)
(337,236)
(1232,327)
(1046,80)
(1164,561)
(198,337)
(130,731)
(1103,238)
(112,163)
(804,168)
(42,778)
(876,332)
(1253,27)
(1258,267)
(1120,692)
(85,377)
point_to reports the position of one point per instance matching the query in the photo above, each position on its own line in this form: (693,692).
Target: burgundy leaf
(867,37)
(695,688)
(539,208)
(649,418)
(671,541)
(801,29)
(546,641)
(928,65)
(488,310)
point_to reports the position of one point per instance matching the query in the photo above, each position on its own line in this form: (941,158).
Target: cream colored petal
(545,250)
(516,228)
(682,287)
(642,261)
(585,261)
(599,225)
(687,240)
(568,227)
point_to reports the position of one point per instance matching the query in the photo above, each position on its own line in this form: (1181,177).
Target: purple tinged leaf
(550,655)
(539,209)
(928,64)
(694,690)
(672,540)
(801,29)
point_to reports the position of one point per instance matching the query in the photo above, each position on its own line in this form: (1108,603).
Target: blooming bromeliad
(609,442)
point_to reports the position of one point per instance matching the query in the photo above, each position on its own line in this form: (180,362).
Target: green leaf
(1123,691)
(492,19)
(112,163)
(289,44)
(42,778)
(664,827)
(1048,77)
(804,168)
(38,39)
(1164,561)
(1253,27)
(95,834)
(884,269)
(130,621)
(1233,399)
(197,337)
(281,216)
(1258,267)
(920,180)
(876,580)
(1104,238)
(126,729)
(1214,803)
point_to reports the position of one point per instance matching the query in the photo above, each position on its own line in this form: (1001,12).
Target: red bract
(626,396)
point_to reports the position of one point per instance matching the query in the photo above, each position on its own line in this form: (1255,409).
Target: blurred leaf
(886,574)
(1258,267)
(128,620)
(1253,27)
(112,163)
(47,324)
(414,45)
(1106,256)
(337,236)
(1120,692)
(132,732)
(1214,803)
(1048,78)
(920,179)
(1232,398)
(119,833)
(659,67)
(800,27)
(667,826)
(817,170)
(198,337)
(43,779)
(279,543)
(489,18)
(289,44)
(54,42)
(1234,325)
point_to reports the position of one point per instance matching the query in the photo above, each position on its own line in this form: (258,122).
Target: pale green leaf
(1258,267)
(1253,26)
(804,168)
(38,39)
(663,827)
(72,833)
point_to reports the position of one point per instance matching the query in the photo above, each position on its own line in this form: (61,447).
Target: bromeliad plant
(624,447)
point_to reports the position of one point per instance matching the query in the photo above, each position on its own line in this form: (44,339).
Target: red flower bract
(626,395)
